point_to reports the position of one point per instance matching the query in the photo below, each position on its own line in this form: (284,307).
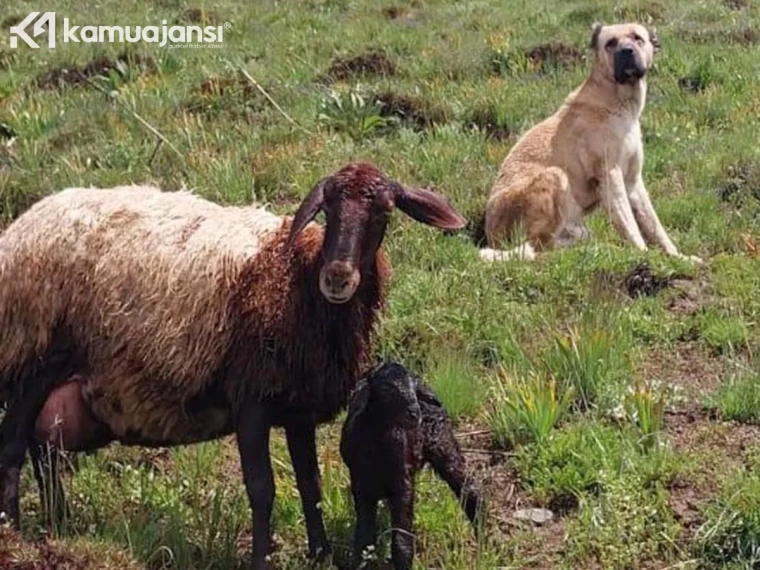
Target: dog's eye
(611,43)
(638,39)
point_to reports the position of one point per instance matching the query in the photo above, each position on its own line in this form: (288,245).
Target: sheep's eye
(611,43)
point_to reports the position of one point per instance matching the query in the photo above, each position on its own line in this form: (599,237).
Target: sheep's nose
(338,281)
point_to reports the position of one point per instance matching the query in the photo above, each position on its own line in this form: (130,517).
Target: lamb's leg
(402,520)
(45,466)
(16,430)
(365,534)
(303,454)
(447,461)
(253,444)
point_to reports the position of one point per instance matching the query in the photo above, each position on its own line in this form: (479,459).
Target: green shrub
(645,408)
(526,409)
(730,536)
(589,360)
(624,528)
(578,459)
(739,399)
(454,379)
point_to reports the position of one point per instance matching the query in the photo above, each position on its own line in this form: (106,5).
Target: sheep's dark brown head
(357,202)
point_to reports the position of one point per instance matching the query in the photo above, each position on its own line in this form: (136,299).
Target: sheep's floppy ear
(308,210)
(425,394)
(654,39)
(359,399)
(596,29)
(428,207)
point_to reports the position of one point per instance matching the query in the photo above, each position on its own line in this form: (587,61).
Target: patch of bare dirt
(692,84)
(487,121)
(19,554)
(553,55)
(372,63)
(6,58)
(641,281)
(231,95)
(395,12)
(408,110)
(687,365)
(476,228)
(539,545)
(742,183)
(12,20)
(688,297)
(642,12)
(60,77)
(718,447)
(736,4)
(747,36)
(7,132)
(196,15)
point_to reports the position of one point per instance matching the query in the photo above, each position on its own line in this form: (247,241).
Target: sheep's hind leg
(451,468)
(16,430)
(302,446)
(253,429)
(402,519)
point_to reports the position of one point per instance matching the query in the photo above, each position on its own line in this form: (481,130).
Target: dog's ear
(654,39)
(596,29)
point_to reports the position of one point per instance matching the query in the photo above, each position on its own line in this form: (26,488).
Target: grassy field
(617,389)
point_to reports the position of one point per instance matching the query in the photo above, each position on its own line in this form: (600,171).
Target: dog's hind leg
(531,207)
(525,252)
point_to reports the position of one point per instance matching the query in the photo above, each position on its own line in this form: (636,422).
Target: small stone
(536,516)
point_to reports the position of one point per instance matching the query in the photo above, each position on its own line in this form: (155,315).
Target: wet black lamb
(395,426)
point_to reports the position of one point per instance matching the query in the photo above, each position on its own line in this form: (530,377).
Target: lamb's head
(357,201)
(392,394)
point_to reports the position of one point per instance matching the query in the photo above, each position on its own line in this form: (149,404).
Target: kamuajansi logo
(163,35)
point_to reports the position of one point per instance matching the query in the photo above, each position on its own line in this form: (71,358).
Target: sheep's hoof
(320,556)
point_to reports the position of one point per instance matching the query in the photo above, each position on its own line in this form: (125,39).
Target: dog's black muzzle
(628,66)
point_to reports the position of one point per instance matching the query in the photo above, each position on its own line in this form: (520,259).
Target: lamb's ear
(308,210)
(428,207)
(596,29)
(654,39)
(359,399)
(425,394)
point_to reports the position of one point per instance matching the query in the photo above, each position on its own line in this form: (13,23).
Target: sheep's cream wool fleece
(147,286)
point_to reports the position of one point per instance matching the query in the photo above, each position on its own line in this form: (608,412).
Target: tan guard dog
(589,152)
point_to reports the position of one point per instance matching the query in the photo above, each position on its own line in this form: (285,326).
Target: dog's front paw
(692,258)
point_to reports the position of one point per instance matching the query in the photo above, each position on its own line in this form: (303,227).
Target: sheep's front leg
(253,444)
(302,446)
(365,534)
(402,519)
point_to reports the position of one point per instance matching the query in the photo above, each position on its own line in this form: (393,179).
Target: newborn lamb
(395,425)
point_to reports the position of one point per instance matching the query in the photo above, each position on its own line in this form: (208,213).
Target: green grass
(561,321)
(739,399)
(730,536)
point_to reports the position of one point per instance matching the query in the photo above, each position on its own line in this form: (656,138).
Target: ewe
(155,318)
